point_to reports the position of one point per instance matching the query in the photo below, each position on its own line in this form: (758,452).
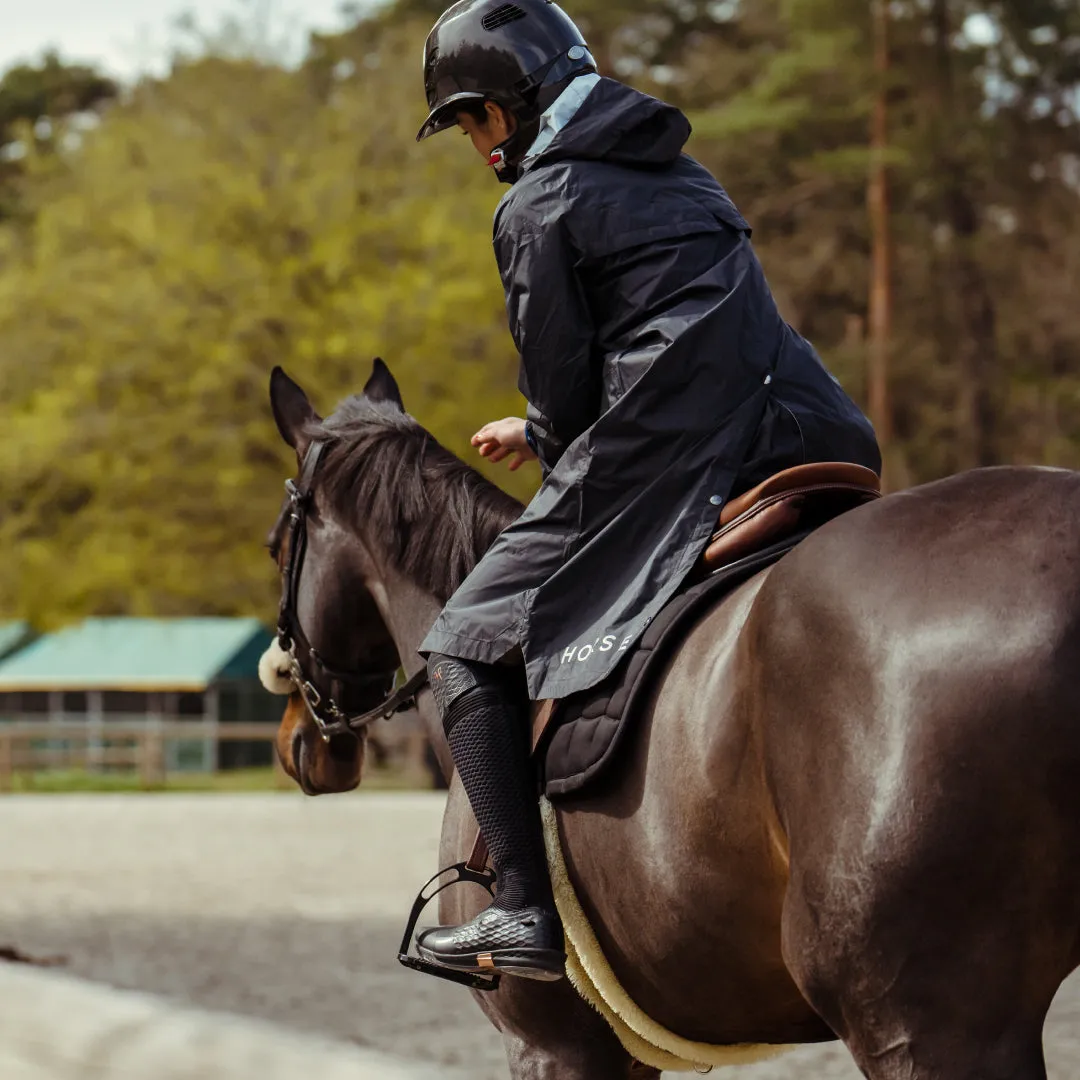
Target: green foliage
(241,213)
(231,218)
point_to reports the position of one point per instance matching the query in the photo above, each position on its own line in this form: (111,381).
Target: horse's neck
(409,612)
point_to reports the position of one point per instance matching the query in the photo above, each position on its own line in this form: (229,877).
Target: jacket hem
(486,651)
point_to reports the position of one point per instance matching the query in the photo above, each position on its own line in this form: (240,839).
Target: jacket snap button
(716,500)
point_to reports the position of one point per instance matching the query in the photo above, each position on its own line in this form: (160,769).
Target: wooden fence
(141,747)
(34,747)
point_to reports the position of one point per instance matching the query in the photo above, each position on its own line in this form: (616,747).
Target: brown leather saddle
(786,504)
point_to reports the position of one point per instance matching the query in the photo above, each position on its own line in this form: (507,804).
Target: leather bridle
(329,694)
(325,693)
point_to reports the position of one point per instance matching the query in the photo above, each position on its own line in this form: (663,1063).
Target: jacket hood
(622,126)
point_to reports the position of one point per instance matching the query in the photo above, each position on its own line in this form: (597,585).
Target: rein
(325,690)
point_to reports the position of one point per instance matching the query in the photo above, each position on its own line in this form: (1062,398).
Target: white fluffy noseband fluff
(274,670)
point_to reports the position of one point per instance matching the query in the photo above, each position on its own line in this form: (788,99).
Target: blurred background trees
(913,180)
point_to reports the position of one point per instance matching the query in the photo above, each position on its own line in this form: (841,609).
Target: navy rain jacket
(661,382)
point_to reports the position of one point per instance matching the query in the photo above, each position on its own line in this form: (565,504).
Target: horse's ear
(382,386)
(292,411)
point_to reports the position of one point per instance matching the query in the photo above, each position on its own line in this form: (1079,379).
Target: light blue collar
(561,112)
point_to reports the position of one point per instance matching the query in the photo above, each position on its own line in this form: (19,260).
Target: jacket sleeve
(553,329)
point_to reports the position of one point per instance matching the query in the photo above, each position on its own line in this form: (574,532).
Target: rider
(661,381)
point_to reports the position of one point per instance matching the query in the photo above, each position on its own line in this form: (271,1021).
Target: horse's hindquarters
(919,712)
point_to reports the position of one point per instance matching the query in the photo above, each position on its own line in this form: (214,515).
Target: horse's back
(916,665)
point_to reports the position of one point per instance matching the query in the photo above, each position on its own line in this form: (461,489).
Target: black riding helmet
(521,55)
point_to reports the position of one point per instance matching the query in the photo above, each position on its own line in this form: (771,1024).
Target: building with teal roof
(145,671)
(138,655)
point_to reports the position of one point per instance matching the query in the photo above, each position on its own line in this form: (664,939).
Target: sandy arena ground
(284,908)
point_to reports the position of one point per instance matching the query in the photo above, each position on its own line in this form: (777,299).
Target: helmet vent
(501,16)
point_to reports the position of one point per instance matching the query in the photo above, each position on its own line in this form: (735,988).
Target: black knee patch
(451,678)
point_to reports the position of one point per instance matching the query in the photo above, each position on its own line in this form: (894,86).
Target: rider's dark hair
(477,110)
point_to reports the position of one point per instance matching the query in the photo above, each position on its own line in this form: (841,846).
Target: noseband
(327,693)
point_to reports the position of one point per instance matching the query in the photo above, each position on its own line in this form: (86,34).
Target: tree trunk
(881,301)
(975,350)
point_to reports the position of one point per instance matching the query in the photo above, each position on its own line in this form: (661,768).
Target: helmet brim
(444,115)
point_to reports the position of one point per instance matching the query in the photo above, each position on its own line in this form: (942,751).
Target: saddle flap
(754,531)
(543,712)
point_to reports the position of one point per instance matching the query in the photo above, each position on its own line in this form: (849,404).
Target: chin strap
(507,173)
(546,86)
(507,157)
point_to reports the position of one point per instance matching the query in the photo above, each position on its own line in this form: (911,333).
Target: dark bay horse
(853,810)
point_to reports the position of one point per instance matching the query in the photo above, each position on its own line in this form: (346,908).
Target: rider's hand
(501,438)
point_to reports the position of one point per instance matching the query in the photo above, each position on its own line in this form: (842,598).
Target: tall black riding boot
(520,933)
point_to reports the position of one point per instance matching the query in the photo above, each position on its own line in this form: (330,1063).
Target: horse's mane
(433,515)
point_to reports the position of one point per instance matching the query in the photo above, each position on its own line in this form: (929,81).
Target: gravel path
(284,908)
